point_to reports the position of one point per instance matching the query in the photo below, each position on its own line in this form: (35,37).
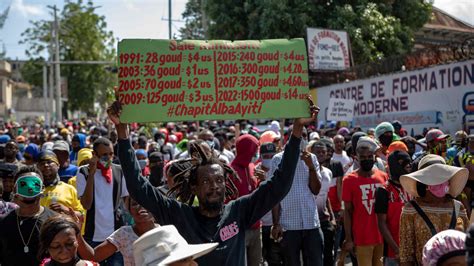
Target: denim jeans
(114,260)
(308,242)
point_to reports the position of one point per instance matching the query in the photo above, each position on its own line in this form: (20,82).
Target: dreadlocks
(186,173)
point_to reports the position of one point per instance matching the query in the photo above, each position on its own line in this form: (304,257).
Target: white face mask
(267,163)
(142,164)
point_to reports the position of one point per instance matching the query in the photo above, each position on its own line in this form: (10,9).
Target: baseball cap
(61,145)
(267,148)
(435,134)
(382,128)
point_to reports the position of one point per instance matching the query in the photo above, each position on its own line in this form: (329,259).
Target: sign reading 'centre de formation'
(167,80)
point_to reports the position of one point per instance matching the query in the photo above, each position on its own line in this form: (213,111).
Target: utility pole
(57,65)
(169,20)
(51,108)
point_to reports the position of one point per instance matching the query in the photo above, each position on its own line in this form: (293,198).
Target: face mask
(29,186)
(210,143)
(267,163)
(21,147)
(255,157)
(142,164)
(105,161)
(367,165)
(303,145)
(385,140)
(440,190)
(161,142)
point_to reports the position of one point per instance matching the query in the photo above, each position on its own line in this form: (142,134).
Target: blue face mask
(142,164)
(210,143)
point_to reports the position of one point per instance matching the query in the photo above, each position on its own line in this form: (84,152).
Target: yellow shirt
(63,194)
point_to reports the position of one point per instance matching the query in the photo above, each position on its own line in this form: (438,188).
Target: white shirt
(342,158)
(104,203)
(321,198)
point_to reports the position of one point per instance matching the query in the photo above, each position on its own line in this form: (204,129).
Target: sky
(139,18)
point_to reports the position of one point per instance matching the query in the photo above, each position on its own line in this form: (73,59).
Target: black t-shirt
(11,246)
(381,200)
(237,216)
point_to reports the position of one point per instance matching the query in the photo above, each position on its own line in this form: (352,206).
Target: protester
(247,154)
(5,206)
(384,133)
(445,248)
(295,219)
(19,230)
(389,201)
(31,154)
(325,213)
(66,169)
(172,248)
(122,239)
(57,195)
(433,210)
(208,179)
(436,142)
(358,193)
(78,142)
(271,250)
(59,241)
(340,154)
(156,166)
(101,187)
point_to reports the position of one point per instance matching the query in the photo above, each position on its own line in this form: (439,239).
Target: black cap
(267,148)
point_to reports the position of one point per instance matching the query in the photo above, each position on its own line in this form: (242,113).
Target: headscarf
(83,154)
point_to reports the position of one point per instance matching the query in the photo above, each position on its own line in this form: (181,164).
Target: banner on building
(328,49)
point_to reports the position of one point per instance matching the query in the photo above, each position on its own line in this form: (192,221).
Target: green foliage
(193,29)
(84,37)
(376,28)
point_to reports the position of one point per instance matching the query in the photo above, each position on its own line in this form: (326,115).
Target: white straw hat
(164,245)
(434,171)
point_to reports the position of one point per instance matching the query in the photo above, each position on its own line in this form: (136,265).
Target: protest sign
(340,109)
(168,80)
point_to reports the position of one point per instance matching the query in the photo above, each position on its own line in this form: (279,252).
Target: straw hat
(164,245)
(434,171)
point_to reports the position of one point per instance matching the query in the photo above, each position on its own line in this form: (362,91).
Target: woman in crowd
(446,248)
(122,239)
(433,186)
(59,242)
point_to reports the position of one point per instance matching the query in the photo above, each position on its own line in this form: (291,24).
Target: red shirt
(360,191)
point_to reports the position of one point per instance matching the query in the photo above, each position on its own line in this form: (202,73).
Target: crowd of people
(233,193)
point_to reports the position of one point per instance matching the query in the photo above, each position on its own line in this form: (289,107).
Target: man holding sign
(208,180)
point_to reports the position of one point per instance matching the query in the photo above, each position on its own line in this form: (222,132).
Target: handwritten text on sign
(340,109)
(162,80)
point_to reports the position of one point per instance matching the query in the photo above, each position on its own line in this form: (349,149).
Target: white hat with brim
(435,174)
(164,245)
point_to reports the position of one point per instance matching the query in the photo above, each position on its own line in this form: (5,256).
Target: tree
(83,36)
(3,18)
(194,28)
(377,28)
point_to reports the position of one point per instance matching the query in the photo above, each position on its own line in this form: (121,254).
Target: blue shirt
(66,173)
(298,209)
